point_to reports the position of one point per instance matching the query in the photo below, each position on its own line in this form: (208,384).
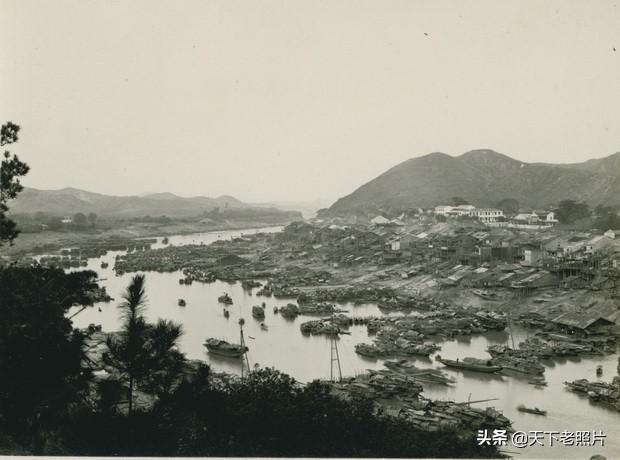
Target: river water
(308,357)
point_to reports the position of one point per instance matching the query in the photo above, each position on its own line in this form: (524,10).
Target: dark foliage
(80,220)
(145,354)
(40,353)
(268,414)
(607,218)
(11,170)
(457,201)
(510,206)
(569,211)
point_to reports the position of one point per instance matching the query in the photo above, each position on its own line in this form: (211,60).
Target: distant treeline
(40,221)
(218,215)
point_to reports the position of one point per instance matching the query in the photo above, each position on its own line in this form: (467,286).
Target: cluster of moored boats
(395,340)
(608,393)
(326,326)
(405,348)
(250,284)
(289,311)
(517,360)
(439,415)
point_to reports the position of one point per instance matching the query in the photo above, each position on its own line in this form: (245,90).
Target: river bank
(51,241)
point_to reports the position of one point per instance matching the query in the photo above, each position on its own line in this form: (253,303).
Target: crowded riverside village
(448,322)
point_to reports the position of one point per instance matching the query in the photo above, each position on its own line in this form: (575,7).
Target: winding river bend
(308,357)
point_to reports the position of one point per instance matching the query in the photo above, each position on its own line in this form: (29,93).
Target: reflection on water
(308,357)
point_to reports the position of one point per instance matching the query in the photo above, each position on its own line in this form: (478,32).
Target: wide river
(308,357)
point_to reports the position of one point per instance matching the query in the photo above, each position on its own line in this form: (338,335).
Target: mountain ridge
(484,177)
(70,200)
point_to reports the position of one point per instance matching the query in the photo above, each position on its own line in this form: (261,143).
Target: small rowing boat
(531,410)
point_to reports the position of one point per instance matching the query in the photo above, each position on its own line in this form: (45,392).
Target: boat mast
(244,357)
(512,339)
(335,357)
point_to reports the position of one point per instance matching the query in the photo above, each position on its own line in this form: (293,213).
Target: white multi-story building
(482,214)
(488,214)
(463,210)
(546,216)
(453,211)
(541,218)
(443,210)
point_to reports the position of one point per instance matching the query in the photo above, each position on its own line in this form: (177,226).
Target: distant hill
(307,208)
(68,201)
(484,177)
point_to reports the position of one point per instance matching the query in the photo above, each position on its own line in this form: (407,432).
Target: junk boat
(225,299)
(538,380)
(472,364)
(535,410)
(223,348)
(485,294)
(258,312)
(523,367)
(181,302)
(404,366)
(249,284)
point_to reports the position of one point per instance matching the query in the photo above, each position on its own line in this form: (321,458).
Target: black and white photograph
(310,228)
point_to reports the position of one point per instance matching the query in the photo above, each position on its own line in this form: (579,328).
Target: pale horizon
(299,101)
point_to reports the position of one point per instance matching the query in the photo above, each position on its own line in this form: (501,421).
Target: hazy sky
(299,99)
